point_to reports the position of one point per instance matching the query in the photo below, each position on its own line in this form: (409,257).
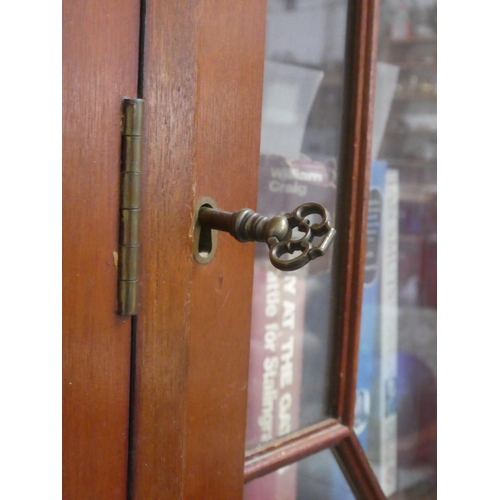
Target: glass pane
(317,477)
(396,410)
(301,116)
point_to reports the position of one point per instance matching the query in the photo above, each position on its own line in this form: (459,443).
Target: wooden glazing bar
(356,157)
(357,470)
(293,447)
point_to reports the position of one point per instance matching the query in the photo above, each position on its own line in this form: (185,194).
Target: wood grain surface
(203,71)
(100,54)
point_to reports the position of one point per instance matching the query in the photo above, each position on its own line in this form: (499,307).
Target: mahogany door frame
(202,87)
(100,66)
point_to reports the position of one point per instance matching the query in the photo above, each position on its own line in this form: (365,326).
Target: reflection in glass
(317,477)
(301,116)
(396,411)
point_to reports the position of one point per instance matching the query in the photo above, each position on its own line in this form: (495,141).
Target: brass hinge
(130,206)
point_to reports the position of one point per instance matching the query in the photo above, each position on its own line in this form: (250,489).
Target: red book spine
(275,369)
(278,313)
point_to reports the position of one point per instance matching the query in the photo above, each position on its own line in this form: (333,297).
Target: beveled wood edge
(357,470)
(271,456)
(357,143)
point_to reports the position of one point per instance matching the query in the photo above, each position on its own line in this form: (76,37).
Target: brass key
(247,225)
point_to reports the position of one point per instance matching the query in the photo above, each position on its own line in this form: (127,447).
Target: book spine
(278,317)
(275,369)
(370,322)
(370,313)
(388,344)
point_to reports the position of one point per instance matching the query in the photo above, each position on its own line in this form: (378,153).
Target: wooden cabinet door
(165,396)
(202,80)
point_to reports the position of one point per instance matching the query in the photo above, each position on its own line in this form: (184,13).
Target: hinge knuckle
(130,206)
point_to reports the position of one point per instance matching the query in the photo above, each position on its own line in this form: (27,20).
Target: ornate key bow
(247,225)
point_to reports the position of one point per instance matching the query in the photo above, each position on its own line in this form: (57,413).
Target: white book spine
(389,336)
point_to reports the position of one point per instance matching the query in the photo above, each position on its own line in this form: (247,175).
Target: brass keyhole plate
(204,239)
